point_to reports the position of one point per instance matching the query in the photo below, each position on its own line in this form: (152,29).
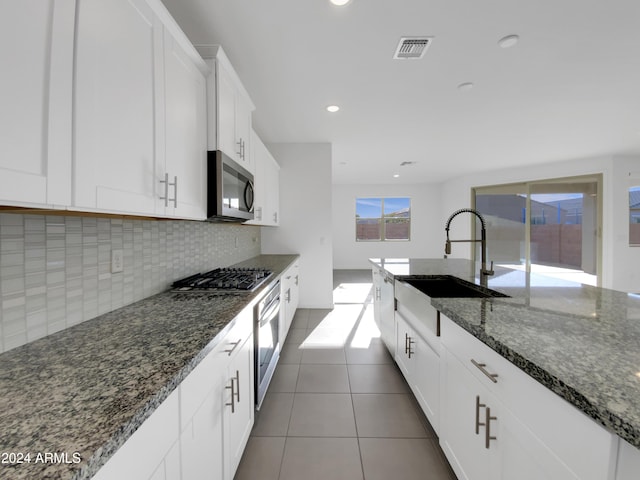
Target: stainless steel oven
(266,334)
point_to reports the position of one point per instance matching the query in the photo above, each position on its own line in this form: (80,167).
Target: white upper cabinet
(116,90)
(229,108)
(36,47)
(185,134)
(140,118)
(266,203)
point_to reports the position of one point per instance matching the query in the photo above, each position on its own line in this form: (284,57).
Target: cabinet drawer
(211,370)
(583,445)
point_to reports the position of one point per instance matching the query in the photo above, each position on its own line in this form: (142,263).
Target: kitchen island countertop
(81,393)
(581,342)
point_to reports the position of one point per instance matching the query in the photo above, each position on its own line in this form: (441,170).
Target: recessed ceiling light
(508,41)
(333,108)
(465,87)
(339,3)
(395,175)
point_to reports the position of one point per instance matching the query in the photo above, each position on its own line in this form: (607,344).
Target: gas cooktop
(224,280)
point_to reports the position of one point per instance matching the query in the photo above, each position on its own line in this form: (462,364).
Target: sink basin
(446,286)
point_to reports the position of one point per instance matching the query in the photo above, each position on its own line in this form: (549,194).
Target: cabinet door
(36,47)
(425,381)
(115,97)
(226,106)
(405,346)
(239,406)
(462,438)
(272,191)
(202,440)
(185,132)
(523,456)
(243,131)
(387,313)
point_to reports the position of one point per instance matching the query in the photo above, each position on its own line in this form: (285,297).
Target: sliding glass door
(550,226)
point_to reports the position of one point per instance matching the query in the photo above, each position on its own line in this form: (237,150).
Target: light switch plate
(117,261)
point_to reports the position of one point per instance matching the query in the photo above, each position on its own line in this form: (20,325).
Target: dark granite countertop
(581,342)
(83,391)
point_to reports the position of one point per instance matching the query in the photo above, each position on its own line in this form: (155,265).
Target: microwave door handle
(248,188)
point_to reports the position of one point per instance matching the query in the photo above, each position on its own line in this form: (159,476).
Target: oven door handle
(272,311)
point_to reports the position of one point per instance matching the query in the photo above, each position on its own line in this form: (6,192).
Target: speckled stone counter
(581,342)
(82,392)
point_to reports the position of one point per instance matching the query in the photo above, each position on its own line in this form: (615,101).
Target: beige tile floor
(337,407)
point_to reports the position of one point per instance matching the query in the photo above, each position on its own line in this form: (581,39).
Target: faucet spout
(484,271)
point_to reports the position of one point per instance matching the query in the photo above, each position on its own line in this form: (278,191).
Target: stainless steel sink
(447,286)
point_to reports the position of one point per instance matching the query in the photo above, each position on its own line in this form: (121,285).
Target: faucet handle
(490,271)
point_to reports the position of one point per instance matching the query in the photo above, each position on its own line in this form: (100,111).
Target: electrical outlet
(117,261)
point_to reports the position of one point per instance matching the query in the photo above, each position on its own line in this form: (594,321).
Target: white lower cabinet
(150,450)
(628,467)
(383,307)
(289,297)
(201,430)
(239,407)
(419,361)
(498,423)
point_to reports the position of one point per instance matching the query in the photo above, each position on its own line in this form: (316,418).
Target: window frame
(382,218)
(633,185)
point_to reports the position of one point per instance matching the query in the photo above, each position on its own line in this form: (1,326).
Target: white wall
(427,230)
(305,218)
(618,259)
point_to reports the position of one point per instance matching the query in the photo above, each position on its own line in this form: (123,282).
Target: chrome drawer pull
(492,376)
(478,407)
(238,386)
(488,437)
(235,344)
(411,342)
(232,388)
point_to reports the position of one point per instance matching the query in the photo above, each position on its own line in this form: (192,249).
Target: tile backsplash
(55,271)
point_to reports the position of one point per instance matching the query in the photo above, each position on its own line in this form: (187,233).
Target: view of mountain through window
(383,219)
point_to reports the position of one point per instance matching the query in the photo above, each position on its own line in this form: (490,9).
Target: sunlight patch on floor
(560,273)
(334,330)
(366,330)
(351,292)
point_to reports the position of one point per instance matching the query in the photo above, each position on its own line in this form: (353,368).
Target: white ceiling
(569,89)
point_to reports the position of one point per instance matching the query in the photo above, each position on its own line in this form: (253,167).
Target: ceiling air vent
(412,47)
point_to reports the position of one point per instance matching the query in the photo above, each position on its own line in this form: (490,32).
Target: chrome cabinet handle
(166,189)
(237,386)
(297,280)
(488,437)
(478,407)
(275,217)
(175,192)
(167,184)
(235,344)
(239,152)
(408,341)
(492,376)
(378,295)
(232,388)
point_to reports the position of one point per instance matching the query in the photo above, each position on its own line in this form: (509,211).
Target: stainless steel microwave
(229,189)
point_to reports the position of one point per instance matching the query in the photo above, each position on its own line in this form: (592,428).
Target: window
(634,216)
(383,219)
(547,226)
